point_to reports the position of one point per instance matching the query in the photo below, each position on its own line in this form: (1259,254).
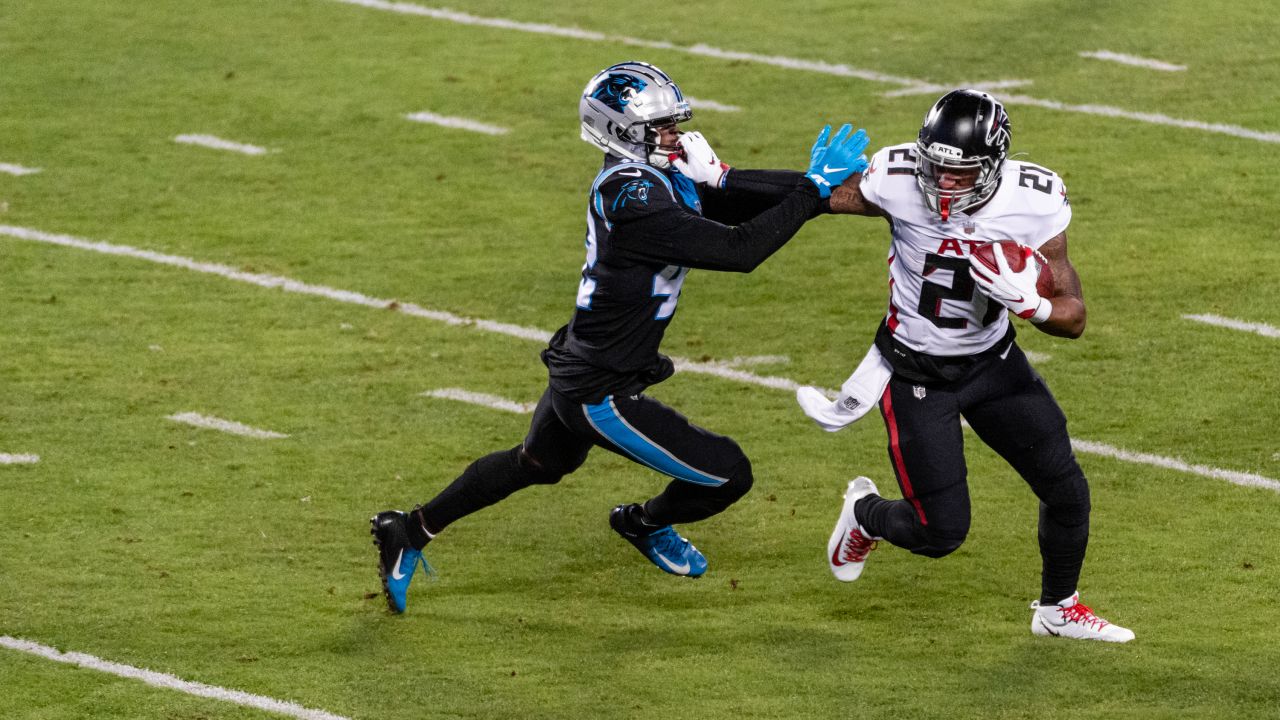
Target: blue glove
(830,165)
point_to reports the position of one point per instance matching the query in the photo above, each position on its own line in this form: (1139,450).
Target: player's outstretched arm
(847,199)
(664,232)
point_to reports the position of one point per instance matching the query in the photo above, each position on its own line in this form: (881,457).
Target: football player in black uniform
(662,204)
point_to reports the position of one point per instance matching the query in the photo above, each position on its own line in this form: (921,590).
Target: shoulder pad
(1039,189)
(628,189)
(890,180)
(627,172)
(900,159)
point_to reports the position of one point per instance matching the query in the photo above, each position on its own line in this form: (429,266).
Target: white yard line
(815,66)
(226,426)
(218,143)
(1133,60)
(1259,328)
(1152,118)
(170,682)
(524,333)
(11,169)
(462,18)
(475,398)
(18,459)
(275,281)
(1231,476)
(990,86)
(723,370)
(712,105)
(457,123)
(750,360)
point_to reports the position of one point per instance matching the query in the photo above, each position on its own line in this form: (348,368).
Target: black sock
(636,521)
(419,536)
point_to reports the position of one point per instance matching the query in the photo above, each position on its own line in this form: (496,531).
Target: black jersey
(646,229)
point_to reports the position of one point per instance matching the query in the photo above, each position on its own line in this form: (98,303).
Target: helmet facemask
(659,155)
(932,162)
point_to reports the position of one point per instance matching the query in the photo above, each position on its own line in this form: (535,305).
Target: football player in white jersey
(948,350)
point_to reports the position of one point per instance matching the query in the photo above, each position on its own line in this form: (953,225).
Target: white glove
(858,395)
(699,162)
(1016,291)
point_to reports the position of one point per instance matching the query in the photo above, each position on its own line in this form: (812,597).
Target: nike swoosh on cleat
(829,169)
(395,569)
(1046,627)
(835,557)
(682,569)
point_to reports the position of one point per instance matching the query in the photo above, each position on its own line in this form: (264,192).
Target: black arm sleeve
(747,193)
(678,237)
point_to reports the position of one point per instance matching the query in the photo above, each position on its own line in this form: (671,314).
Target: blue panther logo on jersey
(637,190)
(618,89)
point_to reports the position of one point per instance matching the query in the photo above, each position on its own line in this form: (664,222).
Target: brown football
(1015,254)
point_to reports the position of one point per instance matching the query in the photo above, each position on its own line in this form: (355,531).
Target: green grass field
(246,564)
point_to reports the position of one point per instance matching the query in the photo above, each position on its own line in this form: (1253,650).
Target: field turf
(246,564)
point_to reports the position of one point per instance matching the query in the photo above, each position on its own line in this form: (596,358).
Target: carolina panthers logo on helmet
(637,190)
(618,89)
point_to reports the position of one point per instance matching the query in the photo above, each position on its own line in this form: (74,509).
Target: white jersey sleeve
(1031,206)
(934,306)
(890,178)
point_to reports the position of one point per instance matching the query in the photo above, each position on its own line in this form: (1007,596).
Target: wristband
(1043,311)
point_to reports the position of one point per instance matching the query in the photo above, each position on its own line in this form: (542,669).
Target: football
(1015,254)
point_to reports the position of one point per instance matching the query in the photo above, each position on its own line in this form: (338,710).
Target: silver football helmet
(622,105)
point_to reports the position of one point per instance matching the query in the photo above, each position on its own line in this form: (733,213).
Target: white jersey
(934,306)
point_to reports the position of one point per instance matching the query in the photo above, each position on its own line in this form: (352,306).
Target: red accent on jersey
(899,466)
(950,245)
(892,321)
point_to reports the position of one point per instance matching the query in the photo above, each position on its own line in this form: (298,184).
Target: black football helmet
(965,129)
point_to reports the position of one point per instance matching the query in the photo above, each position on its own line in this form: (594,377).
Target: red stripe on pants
(900,467)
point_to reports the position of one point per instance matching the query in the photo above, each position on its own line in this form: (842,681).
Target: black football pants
(709,472)
(1011,409)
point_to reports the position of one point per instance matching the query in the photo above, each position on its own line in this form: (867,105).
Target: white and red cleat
(849,545)
(1071,618)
